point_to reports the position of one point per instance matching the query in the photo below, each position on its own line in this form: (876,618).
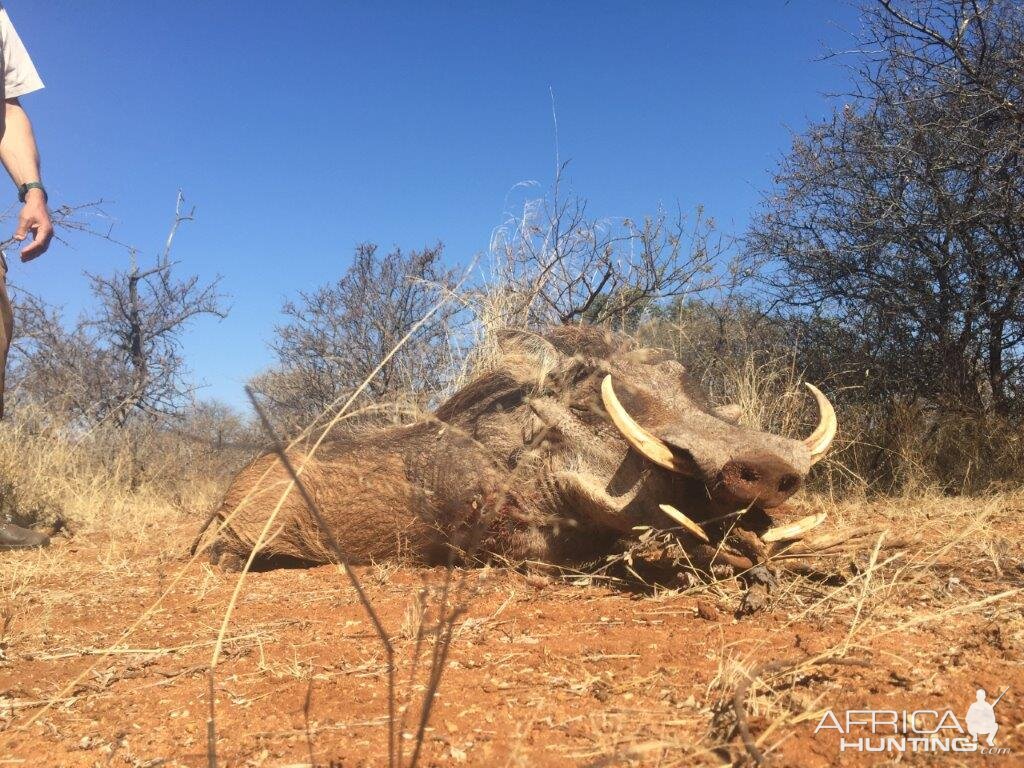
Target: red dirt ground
(541,672)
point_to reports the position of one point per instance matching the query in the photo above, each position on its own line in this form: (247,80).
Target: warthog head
(608,431)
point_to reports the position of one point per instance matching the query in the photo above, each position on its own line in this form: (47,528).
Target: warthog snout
(758,478)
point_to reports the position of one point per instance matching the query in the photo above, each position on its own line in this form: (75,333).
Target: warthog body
(529,463)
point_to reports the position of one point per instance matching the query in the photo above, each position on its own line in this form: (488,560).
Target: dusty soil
(542,671)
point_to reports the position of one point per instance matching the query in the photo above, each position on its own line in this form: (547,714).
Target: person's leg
(6,327)
(11,536)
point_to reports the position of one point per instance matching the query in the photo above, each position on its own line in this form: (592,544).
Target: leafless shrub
(555,263)
(141,317)
(335,335)
(64,370)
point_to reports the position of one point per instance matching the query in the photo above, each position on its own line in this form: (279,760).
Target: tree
(336,335)
(123,360)
(900,219)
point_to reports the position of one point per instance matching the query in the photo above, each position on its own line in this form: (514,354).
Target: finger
(22,231)
(40,242)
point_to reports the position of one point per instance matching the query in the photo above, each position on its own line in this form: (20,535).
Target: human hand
(34,218)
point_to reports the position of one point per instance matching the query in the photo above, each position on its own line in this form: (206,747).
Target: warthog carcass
(553,455)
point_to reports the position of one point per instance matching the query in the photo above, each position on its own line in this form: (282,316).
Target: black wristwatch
(24,188)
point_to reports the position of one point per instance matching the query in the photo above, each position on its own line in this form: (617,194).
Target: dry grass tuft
(934,563)
(125,483)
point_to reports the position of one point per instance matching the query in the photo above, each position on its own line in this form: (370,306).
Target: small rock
(706,610)
(755,599)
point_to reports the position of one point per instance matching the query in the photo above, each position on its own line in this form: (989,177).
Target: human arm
(20,157)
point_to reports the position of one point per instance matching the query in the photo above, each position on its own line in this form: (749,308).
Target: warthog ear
(516,341)
(730,412)
(541,354)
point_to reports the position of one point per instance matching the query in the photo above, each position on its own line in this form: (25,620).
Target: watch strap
(24,188)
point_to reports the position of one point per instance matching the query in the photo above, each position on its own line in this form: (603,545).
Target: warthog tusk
(794,530)
(638,437)
(821,438)
(684,522)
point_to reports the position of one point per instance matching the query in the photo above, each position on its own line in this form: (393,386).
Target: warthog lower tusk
(794,530)
(821,438)
(638,437)
(684,522)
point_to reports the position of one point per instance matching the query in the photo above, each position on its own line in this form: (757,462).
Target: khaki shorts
(6,327)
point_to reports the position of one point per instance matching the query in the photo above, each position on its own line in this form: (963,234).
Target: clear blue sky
(300,129)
